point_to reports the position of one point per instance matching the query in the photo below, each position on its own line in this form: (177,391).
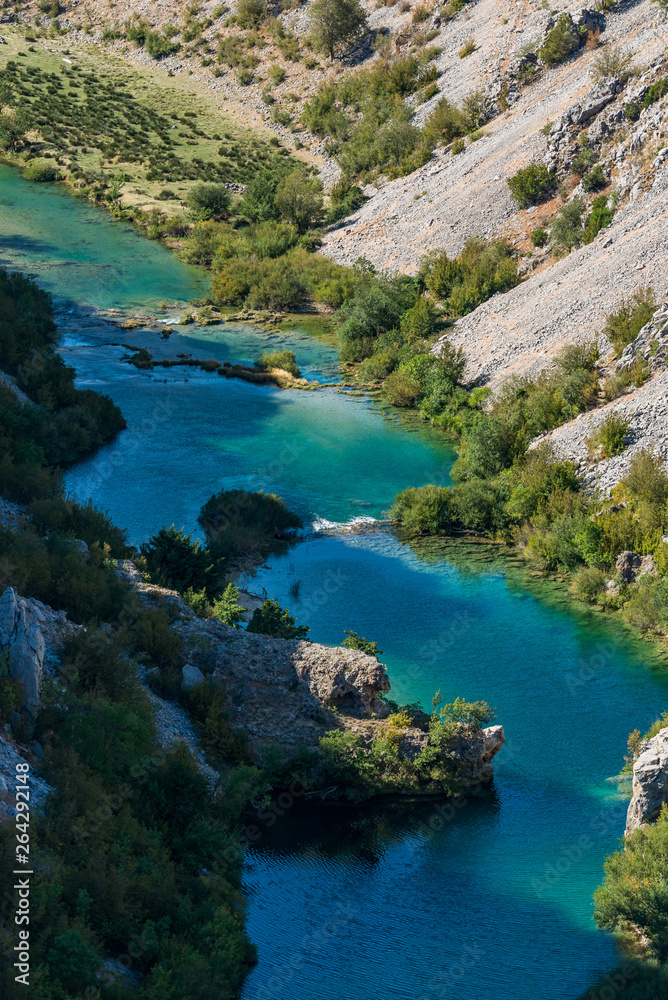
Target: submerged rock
(650,783)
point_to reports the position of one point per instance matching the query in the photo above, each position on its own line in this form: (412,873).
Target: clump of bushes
(623,326)
(483,268)
(271,619)
(284,360)
(560,42)
(532,185)
(610,436)
(42,172)
(239,524)
(176,562)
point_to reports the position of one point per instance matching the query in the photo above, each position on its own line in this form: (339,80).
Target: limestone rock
(650,783)
(191,676)
(627,565)
(21,636)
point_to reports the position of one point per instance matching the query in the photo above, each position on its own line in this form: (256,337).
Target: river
(493,898)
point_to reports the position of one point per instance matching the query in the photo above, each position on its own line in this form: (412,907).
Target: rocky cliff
(650,783)
(288,693)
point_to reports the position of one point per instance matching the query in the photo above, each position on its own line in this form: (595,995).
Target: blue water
(491,899)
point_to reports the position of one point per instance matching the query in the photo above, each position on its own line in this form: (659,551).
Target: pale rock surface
(650,783)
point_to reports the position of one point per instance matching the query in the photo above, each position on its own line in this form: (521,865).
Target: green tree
(354,641)
(271,619)
(209,201)
(337,24)
(175,561)
(74,961)
(258,202)
(634,894)
(227,607)
(299,199)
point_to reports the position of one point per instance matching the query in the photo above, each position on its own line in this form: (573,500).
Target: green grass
(101,120)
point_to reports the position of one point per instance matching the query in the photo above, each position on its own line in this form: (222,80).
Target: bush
(336,24)
(467,48)
(566,229)
(284,360)
(354,641)
(610,435)
(271,619)
(600,216)
(559,43)
(657,90)
(623,326)
(177,562)
(41,172)
(633,893)
(588,584)
(208,201)
(532,185)
(482,269)
(425,509)
(595,179)
(402,389)
(237,523)
(539,236)
(299,199)
(85,521)
(257,203)
(251,13)
(611,62)
(227,607)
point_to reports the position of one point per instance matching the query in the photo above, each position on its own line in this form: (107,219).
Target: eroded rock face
(31,634)
(627,565)
(21,636)
(650,783)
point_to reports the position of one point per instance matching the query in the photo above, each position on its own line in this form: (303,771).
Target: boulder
(191,676)
(627,565)
(600,94)
(650,783)
(22,639)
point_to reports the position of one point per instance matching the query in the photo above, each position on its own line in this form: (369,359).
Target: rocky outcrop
(288,693)
(650,783)
(30,633)
(651,344)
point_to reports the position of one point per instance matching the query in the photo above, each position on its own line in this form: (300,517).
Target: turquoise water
(491,899)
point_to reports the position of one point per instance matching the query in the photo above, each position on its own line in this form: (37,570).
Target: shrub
(285,360)
(401,389)
(277,74)
(208,201)
(227,607)
(610,435)
(611,62)
(354,641)
(483,268)
(539,236)
(41,172)
(635,883)
(566,229)
(85,521)
(159,45)
(458,146)
(588,584)
(467,48)
(177,562)
(623,326)
(632,111)
(600,216)
(559,43)
(445,123)
(595,179)
(336,24)
(237,523)
(251,13)
(299,199)
(271,619)
(425,509)
(657,90)
(532,185)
